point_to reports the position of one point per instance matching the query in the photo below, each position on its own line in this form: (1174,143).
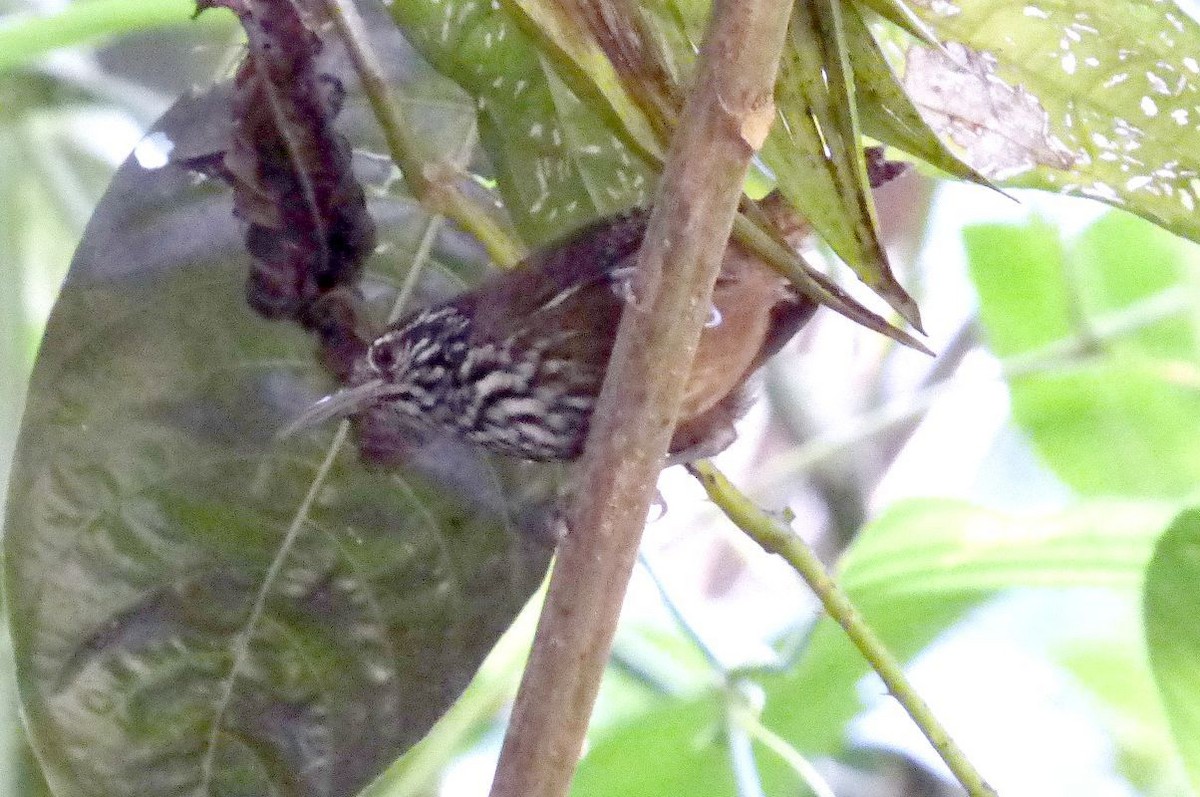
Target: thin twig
(746,777)
(681,620)
(685,241)
(442,195)
(433,225)
(778,538)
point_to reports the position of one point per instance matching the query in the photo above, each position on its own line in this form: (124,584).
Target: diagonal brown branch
(723,123)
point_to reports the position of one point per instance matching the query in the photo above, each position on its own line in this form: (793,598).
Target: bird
(515,365)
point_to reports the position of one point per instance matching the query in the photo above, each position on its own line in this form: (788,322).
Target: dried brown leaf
(308,227)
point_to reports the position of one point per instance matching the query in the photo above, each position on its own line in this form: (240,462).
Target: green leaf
(1172,636)
(637,96)
(679,25)
(1096,98)
(1116,671)
(920,566)
(24,37)
(931,548)
(46,180)
(815,150)
(679,748)
(158,649)
(419,771)
(558,161)
(1019,275)
(1102,356)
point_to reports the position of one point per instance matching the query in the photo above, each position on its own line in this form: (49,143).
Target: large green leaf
(1171,605)
(48,181)
(929,547)
(912,572)
(677,748)
(1116,672)
(165,642)
(918,567)
(1102,351)
(1096,98)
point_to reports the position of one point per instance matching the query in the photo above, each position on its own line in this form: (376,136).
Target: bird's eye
(381,358)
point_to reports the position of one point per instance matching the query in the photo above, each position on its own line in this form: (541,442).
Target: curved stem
(777,538)
(441,195)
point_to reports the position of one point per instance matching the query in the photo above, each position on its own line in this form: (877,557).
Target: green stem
(747,719)
(440,195)
(1101,329)
(777,538)
(24,37)
(1053,356)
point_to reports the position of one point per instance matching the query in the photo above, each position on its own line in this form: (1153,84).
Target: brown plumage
(516,364)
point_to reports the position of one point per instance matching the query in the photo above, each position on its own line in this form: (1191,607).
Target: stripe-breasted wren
(516,364)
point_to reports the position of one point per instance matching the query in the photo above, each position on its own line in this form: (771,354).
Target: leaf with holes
(169,640)
(558,163)
(888,114)
(603,52)
(1096,98)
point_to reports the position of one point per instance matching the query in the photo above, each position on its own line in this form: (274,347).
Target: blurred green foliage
(1097,336)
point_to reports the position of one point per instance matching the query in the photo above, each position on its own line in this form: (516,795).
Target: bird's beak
(342,404)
